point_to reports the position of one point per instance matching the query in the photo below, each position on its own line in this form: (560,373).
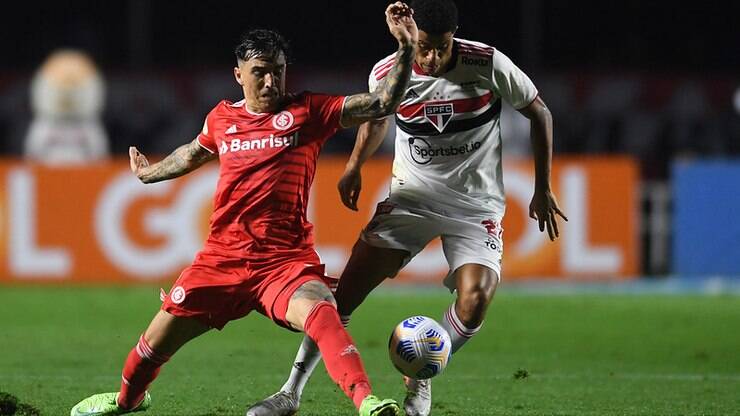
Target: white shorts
(476,240)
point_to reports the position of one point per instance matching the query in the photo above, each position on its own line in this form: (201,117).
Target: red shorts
(216,289)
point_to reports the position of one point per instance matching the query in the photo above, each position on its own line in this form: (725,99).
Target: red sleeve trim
(530,102)
(468,45)
(202,145)
(384,66)
(380,74)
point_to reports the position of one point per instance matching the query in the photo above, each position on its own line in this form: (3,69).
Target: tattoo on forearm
(387,96)
(184,159)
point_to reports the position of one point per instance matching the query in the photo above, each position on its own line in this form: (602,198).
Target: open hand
(543,208)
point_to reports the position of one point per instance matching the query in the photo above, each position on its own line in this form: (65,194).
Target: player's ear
(238,75)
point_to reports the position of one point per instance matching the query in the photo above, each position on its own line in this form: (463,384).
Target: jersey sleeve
(326,111)
(205,137)
(379,71)
(372,83)
(511,83)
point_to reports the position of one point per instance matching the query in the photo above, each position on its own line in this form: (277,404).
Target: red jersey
(267,165)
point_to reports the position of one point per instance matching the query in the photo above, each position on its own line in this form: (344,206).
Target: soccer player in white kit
(447,182)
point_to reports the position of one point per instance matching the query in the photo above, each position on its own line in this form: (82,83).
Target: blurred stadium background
(646,104)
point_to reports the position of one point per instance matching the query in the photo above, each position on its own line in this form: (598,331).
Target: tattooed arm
(388,95)
(184,159)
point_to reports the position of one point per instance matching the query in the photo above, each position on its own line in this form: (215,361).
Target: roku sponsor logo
(268,142)
(474,61)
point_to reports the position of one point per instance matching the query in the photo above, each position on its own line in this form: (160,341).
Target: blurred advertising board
(99,224)
(706,231)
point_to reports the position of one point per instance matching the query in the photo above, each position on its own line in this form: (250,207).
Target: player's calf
(140,369)
(341,357)
(288,400)
(476,285)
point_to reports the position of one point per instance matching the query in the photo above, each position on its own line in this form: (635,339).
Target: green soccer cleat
(373,406)
(106,404)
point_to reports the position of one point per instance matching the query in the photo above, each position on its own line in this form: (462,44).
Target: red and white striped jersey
(267,163)
(448,139)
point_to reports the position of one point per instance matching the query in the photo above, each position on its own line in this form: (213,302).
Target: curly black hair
(261,42)
(435,16)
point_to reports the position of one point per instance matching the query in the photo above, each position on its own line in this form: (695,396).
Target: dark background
(650,79)
(136,34)
(147,34)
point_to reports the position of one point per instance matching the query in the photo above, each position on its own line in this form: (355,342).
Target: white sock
(305,362)
(459,333)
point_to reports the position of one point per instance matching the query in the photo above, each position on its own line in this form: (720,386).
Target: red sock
(340,355)
(141,368)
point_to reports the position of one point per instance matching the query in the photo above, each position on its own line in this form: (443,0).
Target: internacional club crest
(283,120)
(177,295)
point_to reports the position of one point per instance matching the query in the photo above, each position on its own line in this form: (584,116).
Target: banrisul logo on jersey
(422,152)
(439,115)
(269,142)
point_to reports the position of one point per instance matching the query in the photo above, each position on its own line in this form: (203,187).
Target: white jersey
(448,139)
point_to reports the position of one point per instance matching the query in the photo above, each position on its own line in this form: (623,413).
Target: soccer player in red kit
(259,254)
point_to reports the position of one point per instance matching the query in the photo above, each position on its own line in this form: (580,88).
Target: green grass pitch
(571,354)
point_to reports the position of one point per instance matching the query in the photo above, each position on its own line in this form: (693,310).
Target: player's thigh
(167,333)
(367,267)
(474,250)
(390,240)
(304,299)
(394,230)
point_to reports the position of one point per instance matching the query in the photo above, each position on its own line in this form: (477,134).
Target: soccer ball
(419,347)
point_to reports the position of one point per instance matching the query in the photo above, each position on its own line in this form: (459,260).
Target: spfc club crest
(439,115)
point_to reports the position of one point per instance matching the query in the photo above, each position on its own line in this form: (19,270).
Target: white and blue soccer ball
(419,347)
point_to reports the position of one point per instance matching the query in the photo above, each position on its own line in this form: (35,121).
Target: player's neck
(255,108)
(255,111)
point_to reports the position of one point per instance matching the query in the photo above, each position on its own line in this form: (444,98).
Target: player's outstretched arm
(184,159)
(369,137)
(387,96)
(544,206)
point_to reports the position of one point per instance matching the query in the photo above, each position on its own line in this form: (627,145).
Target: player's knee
(321,315)
(475,297)
(480,290)
(350,294)
(317,307)
(347,303)
(167,333)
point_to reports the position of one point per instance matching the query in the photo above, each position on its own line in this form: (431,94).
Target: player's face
(263,82)
(434,52)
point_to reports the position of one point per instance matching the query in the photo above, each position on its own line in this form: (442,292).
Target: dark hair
(435,16)
(261,42)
